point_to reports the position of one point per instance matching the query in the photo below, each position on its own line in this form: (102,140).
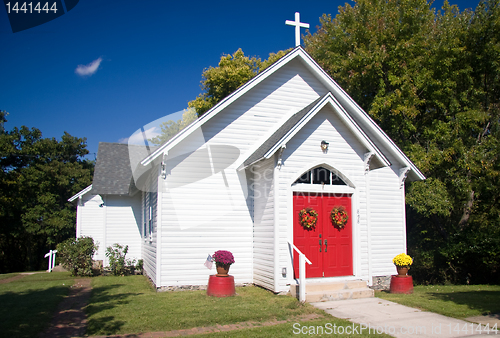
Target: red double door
(327,247)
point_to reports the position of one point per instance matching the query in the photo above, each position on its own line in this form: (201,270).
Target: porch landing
(339,290)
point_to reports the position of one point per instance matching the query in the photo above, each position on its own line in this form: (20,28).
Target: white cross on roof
(297,25)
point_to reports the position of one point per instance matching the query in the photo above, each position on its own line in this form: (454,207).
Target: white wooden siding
(123,216)
(263,232)
(216,212)
(387,220)
(110,220)
(346,155)
(149,209)
(91,219)
(200,218)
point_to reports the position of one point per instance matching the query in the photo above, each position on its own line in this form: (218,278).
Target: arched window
(320,175)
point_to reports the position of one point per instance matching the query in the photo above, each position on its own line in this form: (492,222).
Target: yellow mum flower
(402,260)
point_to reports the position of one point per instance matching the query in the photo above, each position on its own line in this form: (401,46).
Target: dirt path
(21,275)
(11,279)
(70,319)
(212,329)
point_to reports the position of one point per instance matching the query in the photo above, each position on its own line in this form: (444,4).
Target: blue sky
(107,68)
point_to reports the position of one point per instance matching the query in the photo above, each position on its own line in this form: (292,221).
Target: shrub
(140,265)
(118,264)
(76,255)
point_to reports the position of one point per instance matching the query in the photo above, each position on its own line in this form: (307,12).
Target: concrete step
(324,296)
(326,291)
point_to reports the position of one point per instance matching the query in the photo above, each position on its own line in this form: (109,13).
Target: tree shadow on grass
(106,325)
(27,313)
(104,299)
(487,302)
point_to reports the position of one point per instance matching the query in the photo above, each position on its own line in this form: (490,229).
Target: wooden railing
(302,273)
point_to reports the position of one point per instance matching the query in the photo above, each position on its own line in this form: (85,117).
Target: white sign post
(52,259)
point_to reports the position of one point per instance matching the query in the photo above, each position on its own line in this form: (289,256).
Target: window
(148,214)
(144,215)
(150,221)
(306,178)
(320,175)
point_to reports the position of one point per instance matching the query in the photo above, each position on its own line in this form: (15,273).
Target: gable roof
(278,134)
(112,174)
(352,110)
(291,126)
(113,170)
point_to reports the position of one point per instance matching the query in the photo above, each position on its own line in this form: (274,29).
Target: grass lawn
(27,305)
(458,301)
(127,305)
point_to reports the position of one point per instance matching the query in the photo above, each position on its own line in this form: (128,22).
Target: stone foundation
(381,283)
(192,287)
(97,267)
(59,268)
(181,288)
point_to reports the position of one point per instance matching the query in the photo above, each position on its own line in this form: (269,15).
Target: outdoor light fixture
(283,272)
(324,145)
(163,170)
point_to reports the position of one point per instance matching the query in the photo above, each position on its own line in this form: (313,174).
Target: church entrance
(329,248)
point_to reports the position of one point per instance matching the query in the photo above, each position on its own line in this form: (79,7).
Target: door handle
(326,245)
(320,245)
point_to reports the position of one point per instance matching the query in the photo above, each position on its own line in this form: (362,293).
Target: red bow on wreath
(339,217)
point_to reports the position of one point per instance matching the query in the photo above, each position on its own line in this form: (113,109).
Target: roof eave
(223,104)
(328,99)
(79,194)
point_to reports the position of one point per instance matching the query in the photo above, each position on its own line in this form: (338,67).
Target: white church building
(237,178)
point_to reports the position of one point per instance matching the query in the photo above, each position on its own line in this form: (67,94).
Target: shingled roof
(113,173)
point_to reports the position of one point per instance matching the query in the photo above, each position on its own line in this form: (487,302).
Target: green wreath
(308,218)
(339,217)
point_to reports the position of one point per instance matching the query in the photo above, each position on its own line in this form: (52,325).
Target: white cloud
(91,68)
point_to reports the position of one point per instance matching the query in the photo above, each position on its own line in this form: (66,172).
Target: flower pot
(401,285)
(222,269)
(402,271)
(221,286)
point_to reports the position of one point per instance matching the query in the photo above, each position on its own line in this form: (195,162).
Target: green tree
(170,128)
(430,80)
(38,176)
(3,116)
